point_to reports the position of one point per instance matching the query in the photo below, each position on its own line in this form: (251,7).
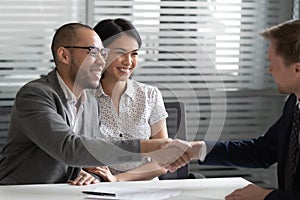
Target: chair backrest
(176,125)
(4,123)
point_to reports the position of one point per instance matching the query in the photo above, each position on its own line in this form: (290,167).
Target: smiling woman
(179,39)
(129,109)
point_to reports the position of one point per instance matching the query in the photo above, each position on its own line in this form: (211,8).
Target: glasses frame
(103,51)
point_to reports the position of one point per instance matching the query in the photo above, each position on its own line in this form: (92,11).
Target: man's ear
(63,55)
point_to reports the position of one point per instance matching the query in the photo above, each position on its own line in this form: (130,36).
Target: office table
(188,189)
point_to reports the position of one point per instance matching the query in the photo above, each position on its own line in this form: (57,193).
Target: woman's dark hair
(110,29)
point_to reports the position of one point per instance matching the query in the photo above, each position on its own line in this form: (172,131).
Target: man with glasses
(54,120)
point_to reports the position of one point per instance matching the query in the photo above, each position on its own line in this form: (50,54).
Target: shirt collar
(100,90)
(69,94)
(129,89)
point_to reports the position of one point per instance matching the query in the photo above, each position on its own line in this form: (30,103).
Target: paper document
(137,194)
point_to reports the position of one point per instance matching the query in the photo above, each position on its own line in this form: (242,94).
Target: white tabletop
(200,189)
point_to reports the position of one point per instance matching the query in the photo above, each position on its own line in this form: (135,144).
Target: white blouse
(140,106)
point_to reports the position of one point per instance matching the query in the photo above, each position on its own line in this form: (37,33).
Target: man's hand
(196,150)
(170,154)
(250,192)
(104,172)
(84,178)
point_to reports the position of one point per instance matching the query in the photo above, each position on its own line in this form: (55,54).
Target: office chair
(176,125)
(4,124)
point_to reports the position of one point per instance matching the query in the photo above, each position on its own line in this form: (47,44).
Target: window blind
(27,27)
(209,55)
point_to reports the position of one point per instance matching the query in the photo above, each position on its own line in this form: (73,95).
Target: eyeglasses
(93,51)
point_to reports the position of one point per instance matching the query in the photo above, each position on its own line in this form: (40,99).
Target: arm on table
(144,172)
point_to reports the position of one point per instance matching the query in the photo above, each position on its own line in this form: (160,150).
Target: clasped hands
(171,154)
(168,153)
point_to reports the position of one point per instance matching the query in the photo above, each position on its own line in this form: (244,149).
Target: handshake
(172,154)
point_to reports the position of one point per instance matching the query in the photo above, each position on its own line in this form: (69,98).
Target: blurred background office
(205,53)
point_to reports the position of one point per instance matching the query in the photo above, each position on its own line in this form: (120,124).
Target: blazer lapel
(53,81)
(284,134)
(67,116)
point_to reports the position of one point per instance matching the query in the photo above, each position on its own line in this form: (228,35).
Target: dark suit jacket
(42,147)
(262,152)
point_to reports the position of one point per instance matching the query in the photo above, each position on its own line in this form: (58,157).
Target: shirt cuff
(202,151)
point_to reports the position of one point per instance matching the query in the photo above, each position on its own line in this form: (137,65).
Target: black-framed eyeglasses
(93,51)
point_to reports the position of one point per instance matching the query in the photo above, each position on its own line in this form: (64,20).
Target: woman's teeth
(125,70)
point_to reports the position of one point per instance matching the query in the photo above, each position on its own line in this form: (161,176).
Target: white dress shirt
(74,114)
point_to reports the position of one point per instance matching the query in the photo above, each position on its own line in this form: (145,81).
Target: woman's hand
(104,172)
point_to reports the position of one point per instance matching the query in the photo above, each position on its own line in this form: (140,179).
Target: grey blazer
(42,148)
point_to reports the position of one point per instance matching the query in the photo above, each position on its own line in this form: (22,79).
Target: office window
(26,31)
(208,54)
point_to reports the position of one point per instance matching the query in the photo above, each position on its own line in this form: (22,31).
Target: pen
(99,193)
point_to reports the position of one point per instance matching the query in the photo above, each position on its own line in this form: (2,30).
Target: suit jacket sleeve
(283,194)
(43,120)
